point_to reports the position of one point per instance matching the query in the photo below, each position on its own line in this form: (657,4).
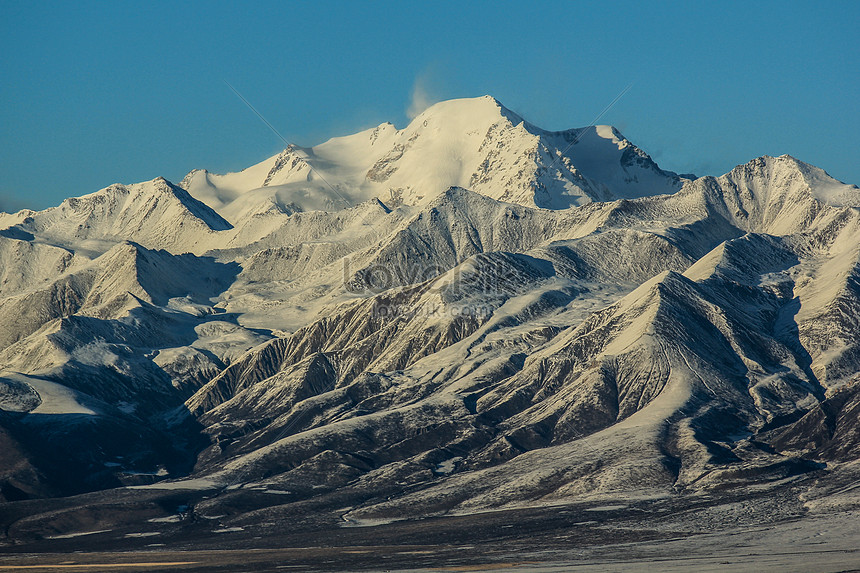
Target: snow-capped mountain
(464,314)
(476,144)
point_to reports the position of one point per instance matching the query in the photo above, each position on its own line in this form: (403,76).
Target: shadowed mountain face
(466,314)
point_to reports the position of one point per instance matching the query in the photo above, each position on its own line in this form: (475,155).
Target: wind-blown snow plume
(421,96)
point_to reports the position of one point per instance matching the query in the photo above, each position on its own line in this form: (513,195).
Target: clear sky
(97,93)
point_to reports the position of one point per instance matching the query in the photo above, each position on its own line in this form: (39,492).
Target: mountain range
(469,314)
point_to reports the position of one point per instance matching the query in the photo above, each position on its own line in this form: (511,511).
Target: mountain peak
(468,111)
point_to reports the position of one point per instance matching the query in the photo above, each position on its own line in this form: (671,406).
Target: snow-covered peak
(155,213)
(771,180)
(474,143)
(823,187)
(465,113)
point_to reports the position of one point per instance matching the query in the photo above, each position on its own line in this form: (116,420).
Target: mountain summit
(472,143)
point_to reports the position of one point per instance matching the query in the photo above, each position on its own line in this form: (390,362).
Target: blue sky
(97,93)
